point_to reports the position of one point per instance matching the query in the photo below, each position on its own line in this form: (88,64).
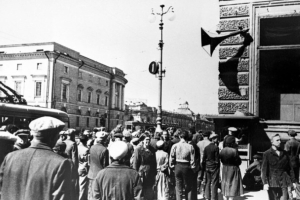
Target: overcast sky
(117,33)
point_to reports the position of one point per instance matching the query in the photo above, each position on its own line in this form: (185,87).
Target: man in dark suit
(99,158)
(37,172)
(277,171)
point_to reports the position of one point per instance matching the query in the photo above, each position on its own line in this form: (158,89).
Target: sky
(117,33)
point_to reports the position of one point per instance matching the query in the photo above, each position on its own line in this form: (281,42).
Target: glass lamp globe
(172,16)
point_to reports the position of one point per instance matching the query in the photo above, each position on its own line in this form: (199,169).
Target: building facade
(183,117)
(53,76)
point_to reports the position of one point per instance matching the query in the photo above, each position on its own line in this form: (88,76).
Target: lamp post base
(158,129)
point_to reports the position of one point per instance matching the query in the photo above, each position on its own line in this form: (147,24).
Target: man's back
(98,160)
(35,173)
(117,181)
(72,151)
(292,147)
(201,145)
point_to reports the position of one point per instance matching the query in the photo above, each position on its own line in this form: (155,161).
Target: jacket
(72,151)
(211,159)
(292,147)
(277,170)
(117,181)
(182,152)
(35,173)
(98,159)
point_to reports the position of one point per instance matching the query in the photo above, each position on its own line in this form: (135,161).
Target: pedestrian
(252,179)
(292,147)
(117,181)
(197,137)
(231,184)
(144,162)
(211,163)
(195,172)
(162,177)
(99,158)
(127,139)
(167,142)
(7,142)
(176,134)
(71,150)
(277,171)
(83,153)
(24,134)
(182,160)
(154,140)
(201,175)
(60,148)
(37,172)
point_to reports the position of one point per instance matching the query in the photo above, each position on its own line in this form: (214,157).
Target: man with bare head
(277,171)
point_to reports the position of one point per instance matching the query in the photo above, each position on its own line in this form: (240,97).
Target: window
(19,66)
(90,78)
(98,99)
(106,100)
(80,75)
(99,81)
(79,94)
(18,85)
(38,89)
(66,69)
(89,97)
(106,83)
(97,122)
(1,67)
(87,122)
(39,66)
(77,121)
(65,92)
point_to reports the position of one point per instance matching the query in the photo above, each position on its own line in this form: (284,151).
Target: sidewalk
(251,195)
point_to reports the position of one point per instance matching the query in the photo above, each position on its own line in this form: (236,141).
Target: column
(120,97)
(123,94)
(113,95)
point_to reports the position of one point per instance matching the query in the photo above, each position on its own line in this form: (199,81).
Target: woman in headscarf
(231,184)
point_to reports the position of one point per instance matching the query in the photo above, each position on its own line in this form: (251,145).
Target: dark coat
(211,159)
(99,159)
(292,147)
(277,170)
(117,181)
(72,151)
(231,184)
(35,173)
(144,161)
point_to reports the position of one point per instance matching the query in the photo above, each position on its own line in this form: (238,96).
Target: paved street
(257,195)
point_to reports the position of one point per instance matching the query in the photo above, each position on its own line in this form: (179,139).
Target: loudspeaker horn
(211,40)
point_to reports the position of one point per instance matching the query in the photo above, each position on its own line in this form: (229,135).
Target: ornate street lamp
(161,72)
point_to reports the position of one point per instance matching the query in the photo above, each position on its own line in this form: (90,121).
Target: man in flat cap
(292,147)
(37,172)
(99,159)
(71,150)
(117,181)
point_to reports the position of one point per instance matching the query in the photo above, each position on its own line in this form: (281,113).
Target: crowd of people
(46,162)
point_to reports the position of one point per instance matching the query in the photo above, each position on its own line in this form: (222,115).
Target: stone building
(259,85)
(53,76)
(183,117)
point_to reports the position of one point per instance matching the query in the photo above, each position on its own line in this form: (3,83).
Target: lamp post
(161,71)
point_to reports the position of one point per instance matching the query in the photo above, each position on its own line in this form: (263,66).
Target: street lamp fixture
(161,72)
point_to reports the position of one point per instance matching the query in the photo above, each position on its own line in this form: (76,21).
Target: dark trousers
(183,177)
(212,181)
(277,193)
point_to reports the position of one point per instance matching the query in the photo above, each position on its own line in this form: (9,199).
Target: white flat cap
(232,129)
(159,143)
(101,134)
(70,131)
(118,150)
(42,124)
